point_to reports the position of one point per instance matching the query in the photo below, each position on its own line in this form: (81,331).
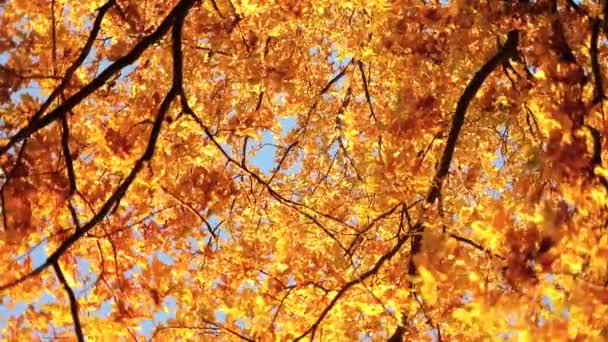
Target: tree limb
(180,11)
(61,110)
(73,301)
(598,89)
(384,258)
(507,51)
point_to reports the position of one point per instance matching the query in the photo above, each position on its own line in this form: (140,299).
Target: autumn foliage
(303,170)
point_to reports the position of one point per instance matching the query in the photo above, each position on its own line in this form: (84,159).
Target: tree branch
(73,301)
(598,89)
(180,11)
(366,89)
(193,210)
(507,51)
(61,110)
(69,163)
(384,258)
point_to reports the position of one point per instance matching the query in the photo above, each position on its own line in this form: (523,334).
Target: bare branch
(367,95)
(194,211)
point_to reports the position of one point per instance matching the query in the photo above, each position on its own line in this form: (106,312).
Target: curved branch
(384,258)
(61,110)
(507,51)
(180,11)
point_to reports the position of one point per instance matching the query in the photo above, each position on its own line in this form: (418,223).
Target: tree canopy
(303,170)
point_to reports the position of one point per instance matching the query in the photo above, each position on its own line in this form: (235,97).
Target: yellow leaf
(540,75)
(573,262)
(600,171)
(371,309)
(486,233)
(524,336)
(428,287)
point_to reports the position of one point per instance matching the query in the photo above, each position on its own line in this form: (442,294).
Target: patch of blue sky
(338,62)
(12,309)
(163,257)
(247,284)
(193,243)
(507,335)
(241,323)
(159,317)
(495,194)
(291,281)
(264,158)
(220,316)
(105,309)
(467,297)
(32,88)
(131,272)
(262,276)
(548,303)
(365,337)
(37,253)
(434,334)
(222,234)
(287,124)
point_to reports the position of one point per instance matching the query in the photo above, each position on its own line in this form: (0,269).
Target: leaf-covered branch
(40,122)
(114,200)
(344,289)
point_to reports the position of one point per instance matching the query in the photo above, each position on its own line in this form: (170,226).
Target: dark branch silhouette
(598,89)
(40,122)
(372,271)
(507,51)
(73,301)
(180,11)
